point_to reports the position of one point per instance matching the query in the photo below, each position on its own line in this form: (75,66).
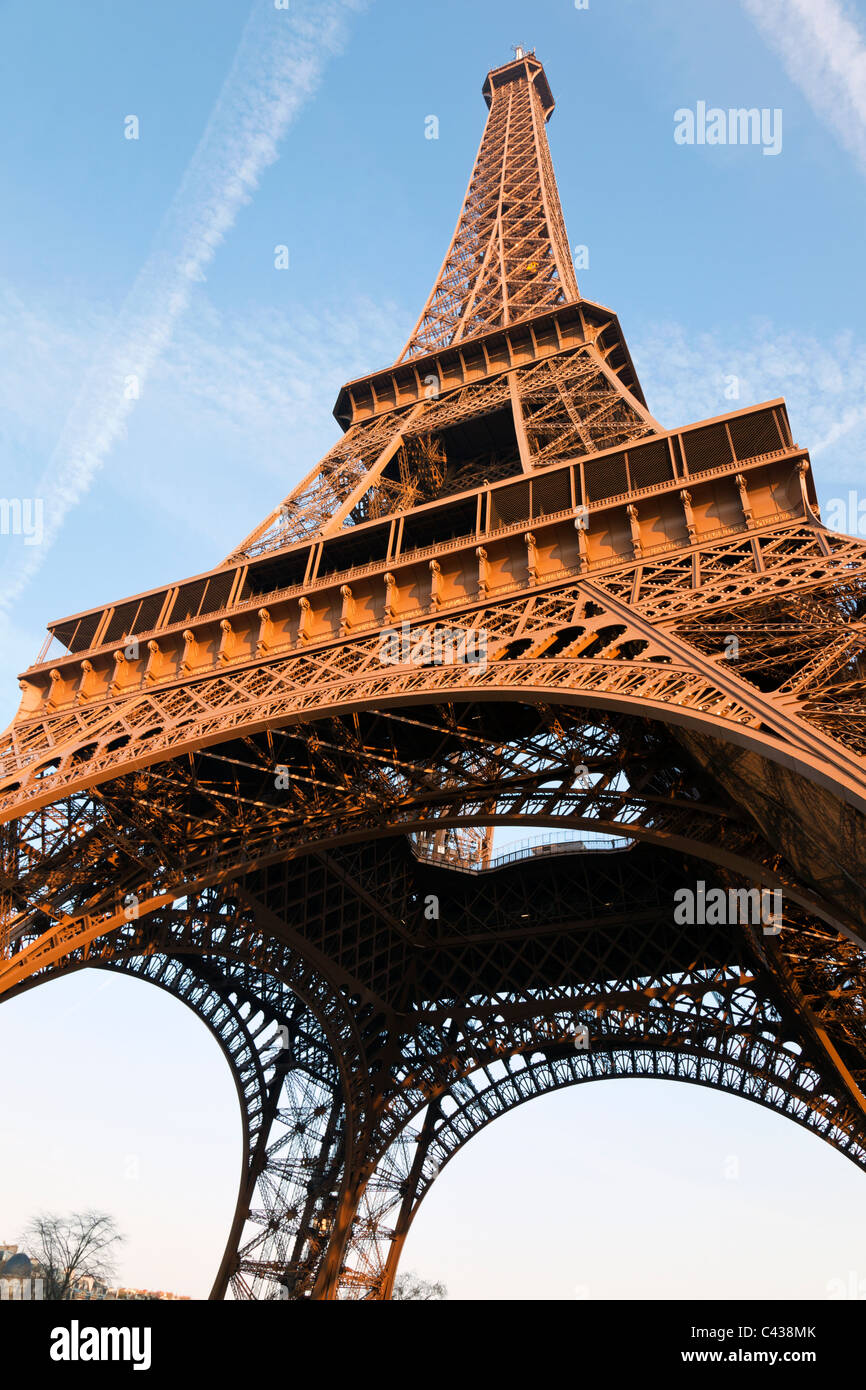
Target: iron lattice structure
(232,788)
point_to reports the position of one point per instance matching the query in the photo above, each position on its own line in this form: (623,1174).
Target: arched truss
(724,1025)
(689,763)
(292,1111)
(579,643)
(172,829)
(407,1172)
(346,1127)
(298,1102)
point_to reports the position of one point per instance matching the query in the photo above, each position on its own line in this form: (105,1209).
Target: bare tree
(70,1248)
(412,1286)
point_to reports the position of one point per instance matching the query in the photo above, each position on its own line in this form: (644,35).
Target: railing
(541,846)
(371,568)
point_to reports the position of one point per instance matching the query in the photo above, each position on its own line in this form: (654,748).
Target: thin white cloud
(277,68)
(690,377)
(243,399)
(249,397)
(824,53)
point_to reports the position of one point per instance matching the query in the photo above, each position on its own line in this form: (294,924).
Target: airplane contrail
(278,66)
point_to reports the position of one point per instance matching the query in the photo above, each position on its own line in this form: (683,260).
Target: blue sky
(155,256)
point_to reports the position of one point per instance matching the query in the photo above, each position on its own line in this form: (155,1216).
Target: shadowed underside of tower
(506,597)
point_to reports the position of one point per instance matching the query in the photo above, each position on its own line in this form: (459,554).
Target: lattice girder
(509,256)
(709,1010)
(250,786)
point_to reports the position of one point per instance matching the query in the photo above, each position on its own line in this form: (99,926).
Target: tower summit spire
(509,256)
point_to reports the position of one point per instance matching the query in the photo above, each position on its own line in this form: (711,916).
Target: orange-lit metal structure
(233,787)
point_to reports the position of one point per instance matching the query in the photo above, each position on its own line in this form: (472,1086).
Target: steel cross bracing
(523,417)
(509,255)
(225,786)
(690,1004)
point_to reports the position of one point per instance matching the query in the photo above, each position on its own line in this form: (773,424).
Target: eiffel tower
(507,596)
